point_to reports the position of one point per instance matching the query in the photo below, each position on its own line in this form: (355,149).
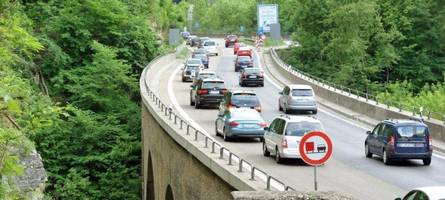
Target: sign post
(315,149)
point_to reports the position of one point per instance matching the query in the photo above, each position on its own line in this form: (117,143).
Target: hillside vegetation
(68,82)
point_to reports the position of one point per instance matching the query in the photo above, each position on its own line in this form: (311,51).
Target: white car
(211,47)
(283,136)
(426,193)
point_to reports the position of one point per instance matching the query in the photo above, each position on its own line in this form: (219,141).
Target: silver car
(240,122)
(284,134)
(297,98)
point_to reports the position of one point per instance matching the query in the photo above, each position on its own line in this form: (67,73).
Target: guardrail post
(268,183)
(376,100)
(414,111)
(349,91)
(367,98)
(358,94)
(221,153)
(175,119)
(188,129)
(170,113)
(213,146)
(230,158)
(240,165)
(252,173)
(400,107)
(429,114)
(180,123)
(196,135)
(206,138)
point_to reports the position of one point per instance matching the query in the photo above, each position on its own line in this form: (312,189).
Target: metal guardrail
(416,112)
(199,136)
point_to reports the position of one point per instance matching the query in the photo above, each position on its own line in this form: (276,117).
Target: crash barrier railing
(415,111)
(210,143)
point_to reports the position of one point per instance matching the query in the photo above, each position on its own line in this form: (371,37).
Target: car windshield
(245,99)
(301,128)
(192,68)
(210,43)
(194,62)
(212,84)
(246,115)
(252,70)
(244,59)
(302,92)
(232,37)
(408,132)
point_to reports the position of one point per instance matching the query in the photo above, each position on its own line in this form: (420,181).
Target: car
(284,134)
(251,76)
(200,51)
(425,193)
(209,91)
(239,99)
(242,62)
(244,51)
(231,39)
(204,59)
(189,40)
(190,71)
(236,46)
(397,139)
(203,75)
(195,42)
(211,47)
(194,61)
(297,98)
(241,123)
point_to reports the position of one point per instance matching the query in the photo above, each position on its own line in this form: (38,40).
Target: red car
(231,39)
(237,46)
(244,51)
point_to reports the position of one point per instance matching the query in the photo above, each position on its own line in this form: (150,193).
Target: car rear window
(206,75)
(245,99)
(212,84)
(246,115)
(300,128)
(232,37)
(201,56)
(252,70)
(244,59)
(408,132)
(192,68)
(302,92)
(194,62)
(210,43)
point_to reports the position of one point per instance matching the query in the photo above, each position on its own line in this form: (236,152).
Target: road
(347,171)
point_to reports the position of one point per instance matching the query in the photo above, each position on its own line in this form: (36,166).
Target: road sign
(315,149)
(267,14)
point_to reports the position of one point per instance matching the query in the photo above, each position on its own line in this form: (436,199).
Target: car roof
(213,79)
(242,91)
(299,86)
(433,192)
(416,122)
(190,59)
(293,118)
(245,110)
(243,48)
(192,65)
(207,72)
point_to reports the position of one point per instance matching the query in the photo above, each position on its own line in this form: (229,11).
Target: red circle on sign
(326,157)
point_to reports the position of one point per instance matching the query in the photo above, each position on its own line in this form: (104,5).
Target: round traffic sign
(315,148)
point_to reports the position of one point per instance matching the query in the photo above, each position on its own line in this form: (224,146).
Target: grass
(271,43)
(182,54)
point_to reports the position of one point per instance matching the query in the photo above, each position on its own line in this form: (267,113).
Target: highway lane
(349,171)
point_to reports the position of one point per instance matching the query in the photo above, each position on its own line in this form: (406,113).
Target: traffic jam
(291,135)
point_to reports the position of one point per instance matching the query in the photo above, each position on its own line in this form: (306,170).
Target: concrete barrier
(355,102)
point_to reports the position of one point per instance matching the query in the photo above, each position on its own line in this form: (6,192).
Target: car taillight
(262,124)
(233,124)
(258,109)
(223,91)
(284,143)
(430,142)
(261,75)
(200,92)
(231,106)
(391,140)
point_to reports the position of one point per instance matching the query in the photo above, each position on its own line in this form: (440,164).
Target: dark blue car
(400,139)
(204,58)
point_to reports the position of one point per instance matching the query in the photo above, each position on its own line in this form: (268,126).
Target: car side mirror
(280,93)
(368,132)
(220,115)
(192,86)
(266,128)
(398,198)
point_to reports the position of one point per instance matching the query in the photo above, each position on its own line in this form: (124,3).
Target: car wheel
(216,54)
(197,104)
(227,45)
(278,158)
(226,138)
(183,79)
(265,151)
(367,152)
(314,112)
(426,161)
(216,130)
(192,103)
(279,106)
(386,159)
(285,110)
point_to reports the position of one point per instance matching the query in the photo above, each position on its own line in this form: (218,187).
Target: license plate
(406,145)
(248,126)
(252,76)
(214,92)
